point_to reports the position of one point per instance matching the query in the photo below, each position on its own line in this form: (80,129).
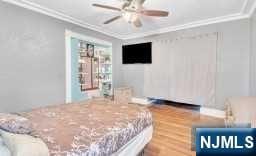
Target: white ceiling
(184,14)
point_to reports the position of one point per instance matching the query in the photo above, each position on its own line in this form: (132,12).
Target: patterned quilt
(91,128)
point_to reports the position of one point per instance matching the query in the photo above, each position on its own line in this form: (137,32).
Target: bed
(92,128)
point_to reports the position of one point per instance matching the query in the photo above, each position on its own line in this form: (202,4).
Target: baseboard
(142,101)
(212,112)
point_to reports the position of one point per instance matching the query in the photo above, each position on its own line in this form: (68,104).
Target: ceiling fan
(131,11)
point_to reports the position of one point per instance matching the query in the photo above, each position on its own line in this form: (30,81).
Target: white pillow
(3,149)
(24,145)
(1,141)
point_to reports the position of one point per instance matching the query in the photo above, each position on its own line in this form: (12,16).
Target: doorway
(88,67)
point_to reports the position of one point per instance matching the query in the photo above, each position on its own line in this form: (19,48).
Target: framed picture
(90,50)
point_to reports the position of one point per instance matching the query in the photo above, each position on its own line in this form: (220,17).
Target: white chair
(123,95)
(241,110)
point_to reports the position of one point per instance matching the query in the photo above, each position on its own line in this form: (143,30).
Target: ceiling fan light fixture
(131,11)
(130,17)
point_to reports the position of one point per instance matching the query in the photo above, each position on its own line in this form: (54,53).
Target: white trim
(253,8)
(68,35)
(87,38)
(212,112)
(68,67)
(188,25)
(245,12)
(58,15)
(141,101)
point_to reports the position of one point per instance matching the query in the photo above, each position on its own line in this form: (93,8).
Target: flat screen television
(137,53)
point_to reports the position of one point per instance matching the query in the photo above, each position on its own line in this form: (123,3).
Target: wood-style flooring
(172,130)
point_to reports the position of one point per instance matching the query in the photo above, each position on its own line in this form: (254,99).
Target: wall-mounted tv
(137,53)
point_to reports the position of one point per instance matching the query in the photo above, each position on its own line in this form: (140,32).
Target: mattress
(95,127)
(132,148)
(137,144)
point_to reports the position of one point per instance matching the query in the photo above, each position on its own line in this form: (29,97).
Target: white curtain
(183,70)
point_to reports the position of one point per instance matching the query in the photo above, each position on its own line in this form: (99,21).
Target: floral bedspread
(91,128)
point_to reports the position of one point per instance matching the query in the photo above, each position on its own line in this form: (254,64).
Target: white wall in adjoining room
(233,59)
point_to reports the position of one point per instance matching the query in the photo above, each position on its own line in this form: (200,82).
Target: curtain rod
(186,37)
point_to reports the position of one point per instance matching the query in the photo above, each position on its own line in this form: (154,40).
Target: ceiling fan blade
(156,13)
(106,7)
(137,23)
(112,19)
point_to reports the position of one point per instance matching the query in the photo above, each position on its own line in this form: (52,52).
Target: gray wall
(253,55)
(32,58)
(232,64)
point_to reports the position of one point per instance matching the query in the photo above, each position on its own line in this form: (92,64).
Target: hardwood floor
(172,130)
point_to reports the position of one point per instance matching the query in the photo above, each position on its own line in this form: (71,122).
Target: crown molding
(248,7)
(188,25)
(244,7)
(246,12)
(252,10)
(55,14)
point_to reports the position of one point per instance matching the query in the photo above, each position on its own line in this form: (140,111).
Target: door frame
(68,35)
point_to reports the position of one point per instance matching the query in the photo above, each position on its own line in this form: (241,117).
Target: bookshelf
(105,62)
(95,68)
